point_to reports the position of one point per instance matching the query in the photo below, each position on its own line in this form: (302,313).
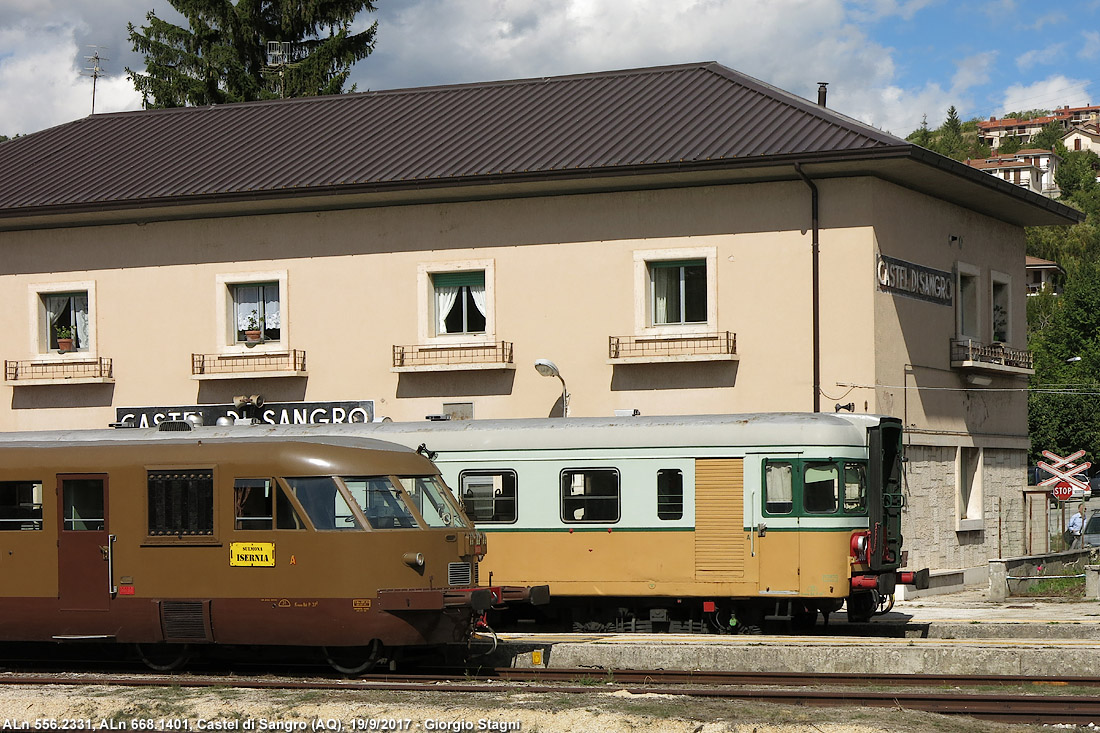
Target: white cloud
(1090,47)
(1052,54)
(1054,91)
(41,84)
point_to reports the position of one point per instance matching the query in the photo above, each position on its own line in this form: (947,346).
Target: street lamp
(547,368)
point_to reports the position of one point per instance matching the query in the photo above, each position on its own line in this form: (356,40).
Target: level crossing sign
(1064,474)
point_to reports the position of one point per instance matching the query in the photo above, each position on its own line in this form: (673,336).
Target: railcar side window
(181,503)
(820,488)
(323,502)
(20,505)
(855,488)
(252,503)
(381,501)
(433,500)
(82,504)
(778,488)
(489,496)
(670,494)
(590,495)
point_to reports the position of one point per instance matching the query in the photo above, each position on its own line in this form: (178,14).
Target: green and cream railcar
(682,522)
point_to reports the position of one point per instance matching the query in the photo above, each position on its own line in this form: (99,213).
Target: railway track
(1022,699)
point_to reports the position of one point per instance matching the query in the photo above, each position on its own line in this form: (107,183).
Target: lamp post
(547,368)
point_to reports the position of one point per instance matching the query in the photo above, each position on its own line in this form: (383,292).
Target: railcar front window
(855,488)
(778,488)
(20,505)
(489,496)
(381,502)
(252,503)
(820,488)
(323,502)
(433,500)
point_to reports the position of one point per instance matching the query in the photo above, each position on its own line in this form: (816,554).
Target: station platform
(958,633)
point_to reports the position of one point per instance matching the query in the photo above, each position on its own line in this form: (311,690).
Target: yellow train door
(776,529)
(719,514)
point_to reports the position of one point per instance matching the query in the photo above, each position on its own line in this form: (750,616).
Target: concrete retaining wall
(1010,575)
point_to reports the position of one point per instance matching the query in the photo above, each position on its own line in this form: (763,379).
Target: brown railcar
(222,536)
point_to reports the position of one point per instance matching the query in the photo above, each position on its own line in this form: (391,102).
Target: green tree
(1010,144)
(922,135)
(1077,172)
(1049,136)
(221,55)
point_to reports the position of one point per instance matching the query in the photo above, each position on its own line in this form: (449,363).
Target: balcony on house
(249,366)
(969,354)
(452,357)
(720,346)
(53,372)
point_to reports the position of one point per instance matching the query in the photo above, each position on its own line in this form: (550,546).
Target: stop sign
(1062,490)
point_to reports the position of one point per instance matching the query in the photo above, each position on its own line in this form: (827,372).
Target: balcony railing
(452,357)
(71,371)
(990,357)
(229,366)
(699,347)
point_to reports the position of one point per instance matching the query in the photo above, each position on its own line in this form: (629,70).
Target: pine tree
(922,135)
(221,56)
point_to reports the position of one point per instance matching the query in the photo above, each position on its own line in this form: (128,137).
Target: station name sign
(272,413)
(915,281)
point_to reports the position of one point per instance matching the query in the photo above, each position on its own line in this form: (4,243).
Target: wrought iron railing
(995,353)
(99,368)
(287,361)
(624,347)
(423,355)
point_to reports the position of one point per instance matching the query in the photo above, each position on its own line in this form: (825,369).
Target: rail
(97,368)
(228,364)
(626,347)
(440,355)
(995,353)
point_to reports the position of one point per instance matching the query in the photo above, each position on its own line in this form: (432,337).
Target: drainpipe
(815,287)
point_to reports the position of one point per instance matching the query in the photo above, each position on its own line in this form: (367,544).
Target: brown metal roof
(686,113)
(664,119)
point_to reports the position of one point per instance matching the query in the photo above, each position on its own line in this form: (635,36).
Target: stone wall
(929,519)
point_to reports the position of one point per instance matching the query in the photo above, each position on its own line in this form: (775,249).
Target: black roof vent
(169,426)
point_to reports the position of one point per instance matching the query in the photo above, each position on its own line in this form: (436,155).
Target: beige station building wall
(563,273)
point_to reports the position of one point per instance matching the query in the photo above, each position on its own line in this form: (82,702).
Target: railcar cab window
(324,503)
(263,504)
(670,494)
(489,496)
(181,503)
(590,495)
(436,505)
(20,505)
(381,502)
(815,487)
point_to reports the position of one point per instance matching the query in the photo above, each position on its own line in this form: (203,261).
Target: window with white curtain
(256,310)
(679,291)
(66,317)
(460,304)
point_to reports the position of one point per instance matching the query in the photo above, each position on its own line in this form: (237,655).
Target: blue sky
(888,62)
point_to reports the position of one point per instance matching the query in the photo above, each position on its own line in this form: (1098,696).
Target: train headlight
(413,559)
(859,546)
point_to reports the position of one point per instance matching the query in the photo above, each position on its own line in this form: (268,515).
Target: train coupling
(505,595)
(885,583)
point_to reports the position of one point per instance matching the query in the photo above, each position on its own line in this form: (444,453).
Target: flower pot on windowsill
(64,345)
(253,337)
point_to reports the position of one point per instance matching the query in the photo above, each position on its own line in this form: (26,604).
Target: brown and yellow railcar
(221,535)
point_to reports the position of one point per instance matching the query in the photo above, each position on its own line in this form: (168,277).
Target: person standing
(1075,527)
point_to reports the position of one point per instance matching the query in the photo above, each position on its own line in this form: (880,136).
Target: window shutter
(473,278)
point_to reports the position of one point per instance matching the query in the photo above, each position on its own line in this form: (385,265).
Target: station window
(670,493)
(181,503)
(489,496)
(456,302)
(20,505)
(679,291)
(820,488)
(590,495)
(257,312)
(66,318)
(460,305)
(779,488)
(968,323)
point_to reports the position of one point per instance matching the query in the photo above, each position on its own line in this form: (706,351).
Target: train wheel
(353,660)
(163,657)
(885,604)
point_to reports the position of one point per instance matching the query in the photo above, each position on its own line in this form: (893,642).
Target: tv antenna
(95,70)
(279,56)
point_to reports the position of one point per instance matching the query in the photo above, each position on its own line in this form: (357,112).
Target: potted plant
(254,324)
(64,337)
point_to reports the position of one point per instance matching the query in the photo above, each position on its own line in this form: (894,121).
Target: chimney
(821,90)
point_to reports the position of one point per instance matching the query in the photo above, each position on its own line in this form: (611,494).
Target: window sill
(255,365)
(250,375)
(48,372)
(673,358)
(482,366)
(969,525)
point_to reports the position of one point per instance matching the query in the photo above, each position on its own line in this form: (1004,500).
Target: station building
(676,240)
